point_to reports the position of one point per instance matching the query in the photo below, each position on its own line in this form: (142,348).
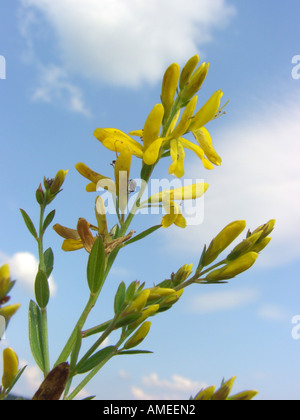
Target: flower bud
(10,367)
(169,86)
(149,311)
(182,274)
(205,394)
(195,82)
(223,392)
(223,240)
(138,336)
(5,283)
(58,181)
(245,246)
(233,268)
(8,311)
(187,71)
(40,196)
(138,303)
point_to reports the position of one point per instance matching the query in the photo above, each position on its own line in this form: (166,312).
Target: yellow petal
(83,228)
(65,232)
(89,173)
(188,192)
(208,111)
(115,140)
(177,155)
(72,245)
(4,272)
(180,221)
(199,152)
(185,121)
(151,154)
(153,125)
(203,138)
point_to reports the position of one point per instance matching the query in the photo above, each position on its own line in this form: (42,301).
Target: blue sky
(73,66)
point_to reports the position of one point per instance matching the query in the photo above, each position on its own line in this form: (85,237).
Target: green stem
(94,372)
(197,275)
(45,343)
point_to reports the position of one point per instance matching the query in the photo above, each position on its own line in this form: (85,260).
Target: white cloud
(176,388)
(55,88)
(127,42)
(272,312)
(23,268)
(259,180)
(223,300)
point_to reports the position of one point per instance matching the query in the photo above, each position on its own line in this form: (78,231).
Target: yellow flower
(168,197)
(76,238)
(10,367)
(115,140)
(94,177)
(176,143)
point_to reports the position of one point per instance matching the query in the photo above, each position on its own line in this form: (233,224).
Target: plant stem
(45,343)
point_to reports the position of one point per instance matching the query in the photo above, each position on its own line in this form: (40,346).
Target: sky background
(73,66)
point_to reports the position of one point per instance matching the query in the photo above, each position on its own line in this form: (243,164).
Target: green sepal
(96,266)
(29,224)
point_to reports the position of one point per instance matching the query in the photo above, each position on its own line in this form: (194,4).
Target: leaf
(48,220)
(41,288)
(48,261)
(96,359)
(135,352)
(15,380)
(142,235)
(120,298)
(96,266)
(29,224)
(35,334)
(131,289)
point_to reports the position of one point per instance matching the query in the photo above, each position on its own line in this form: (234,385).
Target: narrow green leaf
(29,224)
(35,334)
(135,352)
(48,220)
(120,297)
(15,380)
(142,235)
(96,359)
(41,288)
(131,289)
(96,266)
(48,261)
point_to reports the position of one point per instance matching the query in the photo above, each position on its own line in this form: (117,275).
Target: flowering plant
(162,137)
